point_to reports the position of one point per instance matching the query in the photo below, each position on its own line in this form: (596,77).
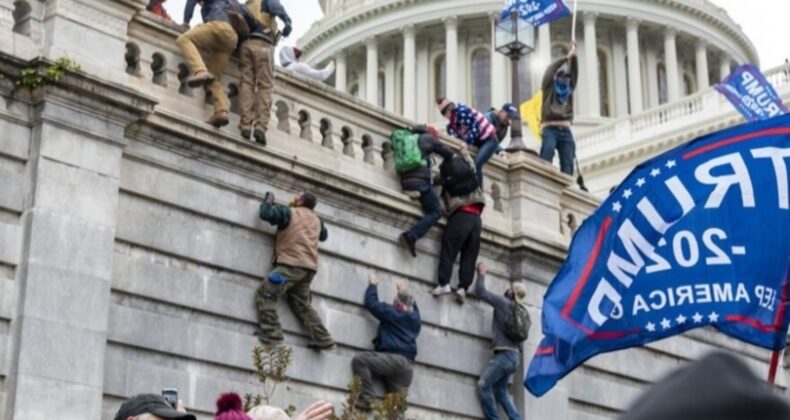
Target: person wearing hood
(418,182)
(216,37)
(256,64)
(559,83)
(289,59)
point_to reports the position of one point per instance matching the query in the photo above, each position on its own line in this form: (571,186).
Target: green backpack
(408,155)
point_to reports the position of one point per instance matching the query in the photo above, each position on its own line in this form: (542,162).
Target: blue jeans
(559,138)
(431,208)
(487,149)
(493,385)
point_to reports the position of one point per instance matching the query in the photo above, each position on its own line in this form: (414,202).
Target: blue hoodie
(398,330)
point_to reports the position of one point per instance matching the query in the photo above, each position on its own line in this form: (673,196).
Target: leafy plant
(349,407)
(271,364)
(392,407)
(32,77)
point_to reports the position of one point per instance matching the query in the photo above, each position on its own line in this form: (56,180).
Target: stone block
(60,353)
(81,150)
(65,297)
(613,395)
(7,298)
(76,193)
(14,140)
(14,186)
(10,243)
(40,398)
(69,244)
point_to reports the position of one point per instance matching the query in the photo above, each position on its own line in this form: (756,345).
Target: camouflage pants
(296,288)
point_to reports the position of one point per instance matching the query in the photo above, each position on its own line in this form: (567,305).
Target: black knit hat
(150,403)
(718,387)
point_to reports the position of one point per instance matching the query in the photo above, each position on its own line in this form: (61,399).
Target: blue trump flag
(755,98)
(697,236)
(536,12)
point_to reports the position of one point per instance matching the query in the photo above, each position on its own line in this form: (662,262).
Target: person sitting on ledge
(215,36)
(289,59)
(395,343)
(295,263)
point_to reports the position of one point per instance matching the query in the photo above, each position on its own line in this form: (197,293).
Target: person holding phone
(152,407)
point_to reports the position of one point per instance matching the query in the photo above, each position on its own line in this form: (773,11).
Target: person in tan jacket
(299,230)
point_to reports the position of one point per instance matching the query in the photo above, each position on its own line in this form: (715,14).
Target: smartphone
(171,396)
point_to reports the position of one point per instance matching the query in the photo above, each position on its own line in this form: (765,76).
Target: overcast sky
(767,25)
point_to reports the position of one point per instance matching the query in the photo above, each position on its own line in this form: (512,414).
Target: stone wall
(130,246)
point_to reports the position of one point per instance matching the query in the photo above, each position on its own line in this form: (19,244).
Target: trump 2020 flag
(536,12)
(752,95)
(697,236)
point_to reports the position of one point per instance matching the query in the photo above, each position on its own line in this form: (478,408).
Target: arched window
(22,15)
(481,79)
(689,86)
(382,88)
(440,77)
(603,83)
(663,90)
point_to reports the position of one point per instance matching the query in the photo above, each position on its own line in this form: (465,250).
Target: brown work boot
(219,119)
(200,79)
(246,132)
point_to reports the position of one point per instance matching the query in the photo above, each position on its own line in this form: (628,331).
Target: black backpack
(517,323)
(458,176)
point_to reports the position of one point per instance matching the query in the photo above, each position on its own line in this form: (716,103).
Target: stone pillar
(651,62)
(671,62)
(620,73)
(372,71)
(703,81)
(591,65)
(341,71)
(65,273)
(409,73)
(389,81)
(451,57)
(542,55)
(424,102)
(634,70)
(724,66)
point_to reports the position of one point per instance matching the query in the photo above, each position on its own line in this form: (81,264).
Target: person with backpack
(413,152)
(217,37)
(470,126)
(464,202)
(510,328)
(256,64)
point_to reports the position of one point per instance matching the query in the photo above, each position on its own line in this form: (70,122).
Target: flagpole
(573,24)
(774,366)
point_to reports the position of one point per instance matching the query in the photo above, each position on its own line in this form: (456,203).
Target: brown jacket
(297,244)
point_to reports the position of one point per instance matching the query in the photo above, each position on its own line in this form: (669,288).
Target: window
(382,89)
(525,91)
(689,86)
(481,79)
(663,90)
(440,77)
(603,83)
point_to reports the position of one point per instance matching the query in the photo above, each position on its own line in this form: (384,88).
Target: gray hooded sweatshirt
(289,62)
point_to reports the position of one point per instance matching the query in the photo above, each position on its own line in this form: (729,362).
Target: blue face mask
(563,89)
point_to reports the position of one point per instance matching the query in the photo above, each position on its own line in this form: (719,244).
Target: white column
(409,72)
(581,101)
(424,102)
(703,81)
(498,69)
(389,81)
(542,56)
(724,66)
(634,71)
(620,73)
(671,60)
(591,65)
(362,85)
(463,71)
(451,57)
(651,62)
(340,71)
(372,71)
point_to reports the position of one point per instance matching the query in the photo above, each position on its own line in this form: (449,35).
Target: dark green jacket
(280,216)
(553,110)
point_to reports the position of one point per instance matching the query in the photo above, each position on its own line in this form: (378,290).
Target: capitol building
(635,56)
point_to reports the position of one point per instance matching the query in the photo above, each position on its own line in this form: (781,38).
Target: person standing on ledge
(470,126)
(559,82)
(295,263)
(215,36)
(395,343)
(256,64)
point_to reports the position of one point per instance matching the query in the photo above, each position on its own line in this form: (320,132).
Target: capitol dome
(395,53)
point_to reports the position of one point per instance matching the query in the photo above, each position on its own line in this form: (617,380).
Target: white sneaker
(441,290)
(460,296)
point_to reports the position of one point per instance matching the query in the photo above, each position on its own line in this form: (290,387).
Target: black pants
(461,235)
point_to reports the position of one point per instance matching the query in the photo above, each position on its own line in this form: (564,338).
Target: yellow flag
(531,113)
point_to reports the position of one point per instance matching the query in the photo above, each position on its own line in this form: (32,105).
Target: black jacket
(428,146)
(211,10)
(398,330)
